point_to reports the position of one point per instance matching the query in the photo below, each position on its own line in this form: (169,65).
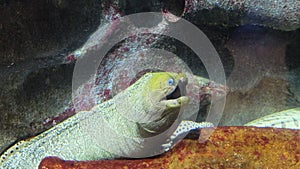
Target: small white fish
(289,119)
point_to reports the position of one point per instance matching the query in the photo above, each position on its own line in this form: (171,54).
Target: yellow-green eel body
(112,129)
(289,119)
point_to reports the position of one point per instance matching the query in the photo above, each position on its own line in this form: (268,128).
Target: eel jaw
(180,90)
(172,103)
(177,97)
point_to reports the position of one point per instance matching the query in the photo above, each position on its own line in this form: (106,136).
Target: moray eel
(285,119)
(113,128)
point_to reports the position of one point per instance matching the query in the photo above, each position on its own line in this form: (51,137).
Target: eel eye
(171,82)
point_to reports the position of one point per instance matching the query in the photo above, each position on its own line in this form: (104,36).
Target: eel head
(166,95)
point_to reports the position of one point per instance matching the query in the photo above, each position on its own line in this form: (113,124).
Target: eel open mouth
(179,91)
(168,116)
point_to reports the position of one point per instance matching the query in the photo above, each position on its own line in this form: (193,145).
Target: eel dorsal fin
(13,149)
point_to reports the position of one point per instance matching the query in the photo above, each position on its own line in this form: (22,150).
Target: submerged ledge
(227,147)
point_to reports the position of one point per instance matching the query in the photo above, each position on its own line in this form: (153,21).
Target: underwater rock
(259,83)
(281,14)
(227,147)
(35,37)
(45,29)
(257,102)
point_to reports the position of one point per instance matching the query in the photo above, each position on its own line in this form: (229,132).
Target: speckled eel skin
(111,129)
(289,119)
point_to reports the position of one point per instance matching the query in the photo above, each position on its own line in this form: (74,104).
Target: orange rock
(227,147)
